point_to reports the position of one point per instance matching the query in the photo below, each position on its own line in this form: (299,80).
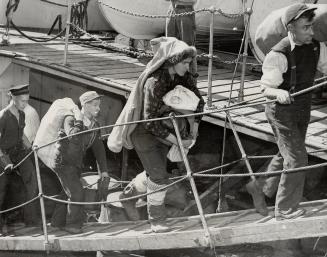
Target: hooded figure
(152,140)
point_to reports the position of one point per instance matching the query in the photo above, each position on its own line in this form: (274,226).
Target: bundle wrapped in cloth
(50,127)
(182,100)
(273,28)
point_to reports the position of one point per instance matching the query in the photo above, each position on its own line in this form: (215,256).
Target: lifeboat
(41,14)
(146,28)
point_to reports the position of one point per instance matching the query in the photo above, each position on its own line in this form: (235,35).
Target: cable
(35,39)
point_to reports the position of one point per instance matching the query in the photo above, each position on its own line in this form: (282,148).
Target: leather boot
(290,214)
(159,227)
(258,197)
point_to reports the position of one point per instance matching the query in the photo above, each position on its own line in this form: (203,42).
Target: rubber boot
(258,197)
(156,207)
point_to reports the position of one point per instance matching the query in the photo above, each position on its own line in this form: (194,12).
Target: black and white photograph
(163,128)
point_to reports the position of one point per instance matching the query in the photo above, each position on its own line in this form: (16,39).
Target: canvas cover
(49,129)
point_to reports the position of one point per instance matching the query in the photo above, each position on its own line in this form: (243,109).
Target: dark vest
(303,60)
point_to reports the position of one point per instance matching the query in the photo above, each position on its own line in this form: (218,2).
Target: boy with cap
(289,67)
(70,161)
(14,147)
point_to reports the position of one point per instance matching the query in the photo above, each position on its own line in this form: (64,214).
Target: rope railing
(268,173)
(116,201)
(21,205)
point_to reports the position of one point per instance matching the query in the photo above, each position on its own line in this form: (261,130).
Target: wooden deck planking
(230,228)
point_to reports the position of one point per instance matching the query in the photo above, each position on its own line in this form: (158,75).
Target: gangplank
(230,228)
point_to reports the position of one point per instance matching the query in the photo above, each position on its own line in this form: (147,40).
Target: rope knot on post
(248,11)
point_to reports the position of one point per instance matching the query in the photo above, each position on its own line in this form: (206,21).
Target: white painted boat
(41,14)
(147,28)
(261,9)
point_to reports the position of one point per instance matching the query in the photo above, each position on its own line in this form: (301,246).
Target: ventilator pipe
(192,182)
(69,9)
(39,183)
(245,54)
(209,99)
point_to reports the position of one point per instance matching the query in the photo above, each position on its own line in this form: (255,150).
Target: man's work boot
(258,198)
(159,227)
(130,206)
(290,214)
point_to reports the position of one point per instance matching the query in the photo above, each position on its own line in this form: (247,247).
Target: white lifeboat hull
(147,28)
(41,15)
(261,9)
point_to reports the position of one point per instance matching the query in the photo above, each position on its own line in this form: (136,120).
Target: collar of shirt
(87,122)
(293,44)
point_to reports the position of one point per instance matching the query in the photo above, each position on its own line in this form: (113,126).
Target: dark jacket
(73,149)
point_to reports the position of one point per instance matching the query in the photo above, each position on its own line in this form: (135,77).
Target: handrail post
(245,54)
(192,182)
(39,183)
(210,56)
(67,30)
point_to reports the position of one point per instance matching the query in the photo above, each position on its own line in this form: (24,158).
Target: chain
(212,10)
(110,46)
(148,55)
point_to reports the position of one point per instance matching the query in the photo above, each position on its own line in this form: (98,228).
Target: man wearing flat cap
(70,161)
(14,147)
(289,67)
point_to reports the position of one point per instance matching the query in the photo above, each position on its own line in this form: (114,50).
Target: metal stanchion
(67,30)
(240,146)
(245,54)
(210,56)
(192,182)
(39,183)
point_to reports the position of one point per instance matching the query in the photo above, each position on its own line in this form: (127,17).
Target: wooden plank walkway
(116,72)
(226,229)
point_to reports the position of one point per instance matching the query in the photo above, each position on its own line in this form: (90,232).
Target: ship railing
(190,174)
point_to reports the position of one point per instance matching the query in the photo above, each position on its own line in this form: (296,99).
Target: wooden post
(209,99)
(192,182)
(39,183)
(240,146)
(67,30)
(245,54)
